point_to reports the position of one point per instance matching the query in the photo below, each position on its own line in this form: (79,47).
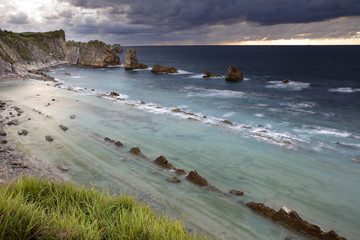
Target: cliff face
(20,52)
(93,53)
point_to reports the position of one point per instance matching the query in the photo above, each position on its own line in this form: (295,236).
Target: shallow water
(290,145)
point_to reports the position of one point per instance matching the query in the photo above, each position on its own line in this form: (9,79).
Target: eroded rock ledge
(292,220)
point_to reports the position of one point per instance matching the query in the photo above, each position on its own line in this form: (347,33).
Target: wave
(324,131)
(344,90)
(214,93)
(292,85)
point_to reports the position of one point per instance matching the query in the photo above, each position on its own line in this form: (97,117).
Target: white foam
(183,72)
(344,90)
(292,85)
(323,131)
(260,115)
(229,114)
(204,92)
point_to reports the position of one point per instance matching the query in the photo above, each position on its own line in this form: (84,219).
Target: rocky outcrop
(157,68)
(93,53)
(234,74)
(292,220)
(20,52)
(163,162)
(131,61)
(116,49)
(136,151)
(195,178)
(209,74)
(236,192)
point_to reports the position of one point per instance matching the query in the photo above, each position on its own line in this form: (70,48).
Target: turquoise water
(283,149)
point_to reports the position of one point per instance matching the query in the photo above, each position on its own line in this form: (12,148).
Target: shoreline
(15,162)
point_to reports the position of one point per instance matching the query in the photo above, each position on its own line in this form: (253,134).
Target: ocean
(295,145)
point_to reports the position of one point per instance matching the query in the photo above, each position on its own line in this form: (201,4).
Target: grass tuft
(43,209)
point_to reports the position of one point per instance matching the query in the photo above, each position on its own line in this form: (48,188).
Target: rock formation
(116,48)
(236,192)
(293,221)
(209,74)
(162,161)
(157,68)
(131,61)
(136,151)
(20,52)
(234,74)
(195,178)
(93,53)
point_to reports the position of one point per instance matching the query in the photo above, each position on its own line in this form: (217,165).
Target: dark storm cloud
(19,18)
(183,14)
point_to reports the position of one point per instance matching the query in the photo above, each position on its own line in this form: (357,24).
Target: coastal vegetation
(42,209)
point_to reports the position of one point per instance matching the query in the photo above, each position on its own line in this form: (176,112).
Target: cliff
(93,53)
(23,52)
(20,52)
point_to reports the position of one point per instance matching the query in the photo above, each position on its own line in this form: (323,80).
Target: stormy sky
(174,22)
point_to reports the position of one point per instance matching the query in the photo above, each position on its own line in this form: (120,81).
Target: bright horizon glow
(344,41)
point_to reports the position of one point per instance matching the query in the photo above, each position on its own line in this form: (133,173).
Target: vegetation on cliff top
(38,209)
(21,41)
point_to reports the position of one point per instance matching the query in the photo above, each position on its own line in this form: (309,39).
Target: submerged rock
(118,143)
(157,68)
(131,61)
(72,116)
(174,180)
(114,94)
(180,171)
(292,220)
(23,132)
(285,81)
(234,74)
(236,192)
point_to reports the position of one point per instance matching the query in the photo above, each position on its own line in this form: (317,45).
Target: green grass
(42,209)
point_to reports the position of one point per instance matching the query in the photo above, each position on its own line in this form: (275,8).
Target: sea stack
(234,74)
(131,61)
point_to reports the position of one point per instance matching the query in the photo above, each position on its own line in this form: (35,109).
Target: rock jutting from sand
(292,220)
(62,167)
(72,116)
(234,74)
(64,128)
(209,74)
(157,68)
(131,61)
(49,138)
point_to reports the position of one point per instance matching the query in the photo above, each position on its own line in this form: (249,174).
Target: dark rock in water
(131,61)
(62,167)
(3,142)
(236,192)
(285,81)
(49,138)
(227,122)
(64,128)
(114,94)
(180,171)
(53,99)
(67,74)
(195,178)
(136,151)
(72,116)
(234,74)
(118,143)
(293,221)
(162,161)
(174,180)
(109,140)
(209,74)
(157,68)
(2,132)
